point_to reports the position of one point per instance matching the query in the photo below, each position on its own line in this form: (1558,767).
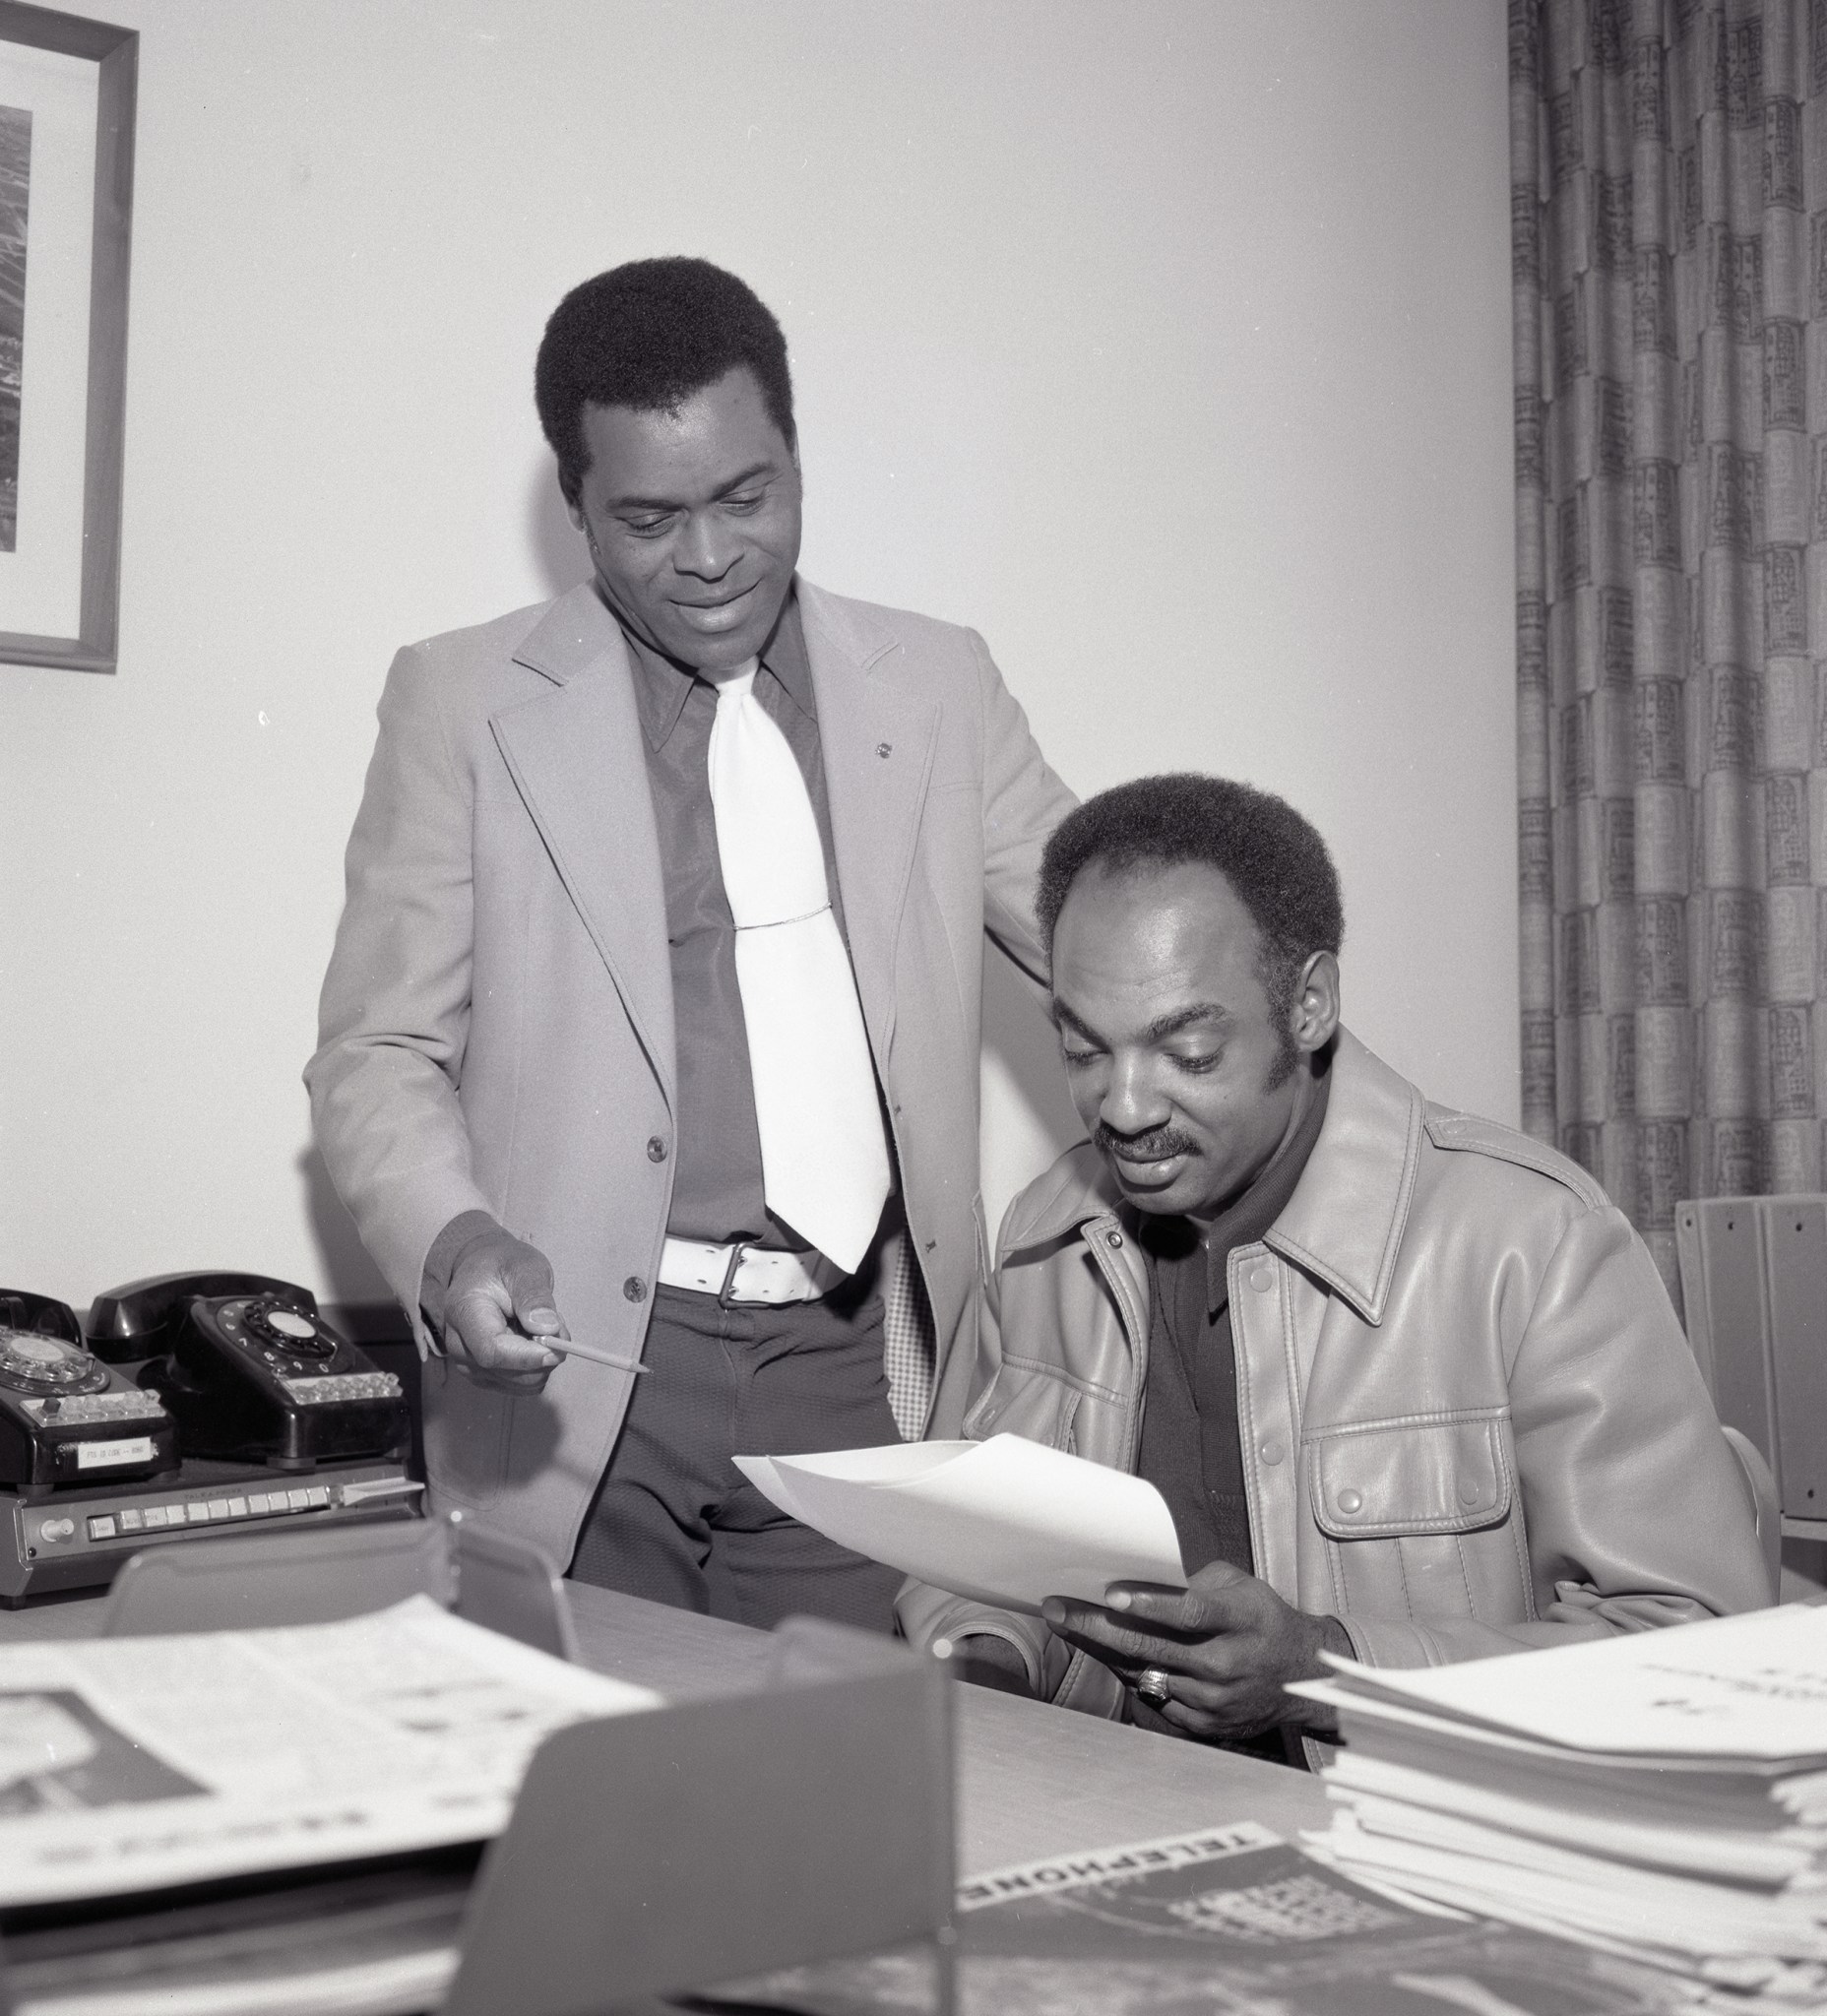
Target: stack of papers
(1008,1520)
(1661,1796)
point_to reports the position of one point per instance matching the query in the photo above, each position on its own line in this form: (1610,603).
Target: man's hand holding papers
(1089,1549)
(1220,1653)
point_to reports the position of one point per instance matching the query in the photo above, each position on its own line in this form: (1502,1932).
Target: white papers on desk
(1738,1688)
(1008,1520)
(1661,1794)
(135,1764)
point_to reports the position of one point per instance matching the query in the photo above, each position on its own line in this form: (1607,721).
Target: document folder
(694,1844)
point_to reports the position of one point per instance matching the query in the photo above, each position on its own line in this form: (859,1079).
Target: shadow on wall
(343,1267)
(1027,1114)
(552,539)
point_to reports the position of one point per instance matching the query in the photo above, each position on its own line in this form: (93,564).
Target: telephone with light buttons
(195,1403)
(251,1371)
(65,1416)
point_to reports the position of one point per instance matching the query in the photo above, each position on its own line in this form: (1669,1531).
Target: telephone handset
(65,1416)
(250,1370)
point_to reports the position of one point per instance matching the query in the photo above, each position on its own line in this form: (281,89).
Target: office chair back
(1766,1507)
(1754,1283)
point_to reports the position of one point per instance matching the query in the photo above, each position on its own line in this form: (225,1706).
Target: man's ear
(1316,1002)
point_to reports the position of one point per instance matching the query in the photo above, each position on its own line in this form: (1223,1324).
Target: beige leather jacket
(1470,1422)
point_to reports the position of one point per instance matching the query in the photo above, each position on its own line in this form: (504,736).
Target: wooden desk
(1033,1781)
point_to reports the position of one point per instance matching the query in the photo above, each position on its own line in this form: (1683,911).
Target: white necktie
(822,1160)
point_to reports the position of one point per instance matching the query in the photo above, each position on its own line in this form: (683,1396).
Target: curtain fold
(1670,247)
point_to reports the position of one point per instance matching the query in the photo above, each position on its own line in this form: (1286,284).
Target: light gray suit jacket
(496,1029)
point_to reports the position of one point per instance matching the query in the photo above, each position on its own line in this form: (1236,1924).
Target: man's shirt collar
(661,685)
(1177,1242)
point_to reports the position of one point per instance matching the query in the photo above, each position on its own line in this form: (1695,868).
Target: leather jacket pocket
(1376,1479)
(1019,1402)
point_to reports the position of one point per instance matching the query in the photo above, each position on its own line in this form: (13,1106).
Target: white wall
(1165,341)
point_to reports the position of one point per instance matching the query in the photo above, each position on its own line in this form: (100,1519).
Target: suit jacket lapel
(575,757)
(877,735)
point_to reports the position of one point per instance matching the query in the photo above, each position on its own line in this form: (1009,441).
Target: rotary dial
(34,1363)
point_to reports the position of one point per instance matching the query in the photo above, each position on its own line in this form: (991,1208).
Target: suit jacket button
(634,1288)
(655,1149)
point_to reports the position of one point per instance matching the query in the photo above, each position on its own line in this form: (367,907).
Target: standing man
(649,1044)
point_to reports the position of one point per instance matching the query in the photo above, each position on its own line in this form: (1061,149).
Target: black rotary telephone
(65,1416)
(250,1370)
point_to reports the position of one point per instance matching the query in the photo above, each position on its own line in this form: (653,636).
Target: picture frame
(68,89)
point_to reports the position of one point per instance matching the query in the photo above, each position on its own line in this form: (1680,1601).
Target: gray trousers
(675,1521)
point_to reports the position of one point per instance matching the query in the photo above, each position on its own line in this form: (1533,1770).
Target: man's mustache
(1155,1146)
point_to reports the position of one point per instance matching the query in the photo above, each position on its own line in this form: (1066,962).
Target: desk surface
(1033,1781)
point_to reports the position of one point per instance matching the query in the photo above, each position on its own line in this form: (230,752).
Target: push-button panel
(60,1528)
(328,1387)
(81,1408)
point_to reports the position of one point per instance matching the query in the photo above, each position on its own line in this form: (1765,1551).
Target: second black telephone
(250,1370)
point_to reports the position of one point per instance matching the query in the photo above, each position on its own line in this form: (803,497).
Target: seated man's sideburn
(1410,1384)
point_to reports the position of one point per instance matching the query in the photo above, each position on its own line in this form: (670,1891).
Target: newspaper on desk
(1230,1920)
(137,1764)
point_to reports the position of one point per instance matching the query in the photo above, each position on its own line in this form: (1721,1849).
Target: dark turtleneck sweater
(1190,1451)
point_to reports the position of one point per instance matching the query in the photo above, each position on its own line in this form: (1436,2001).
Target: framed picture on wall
(67,88)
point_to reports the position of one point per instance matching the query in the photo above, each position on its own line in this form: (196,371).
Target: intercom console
(194,1402)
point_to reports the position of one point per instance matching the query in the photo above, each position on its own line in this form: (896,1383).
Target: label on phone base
(104,1455)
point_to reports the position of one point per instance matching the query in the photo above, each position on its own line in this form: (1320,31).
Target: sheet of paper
(133,1764)
(1007,1521)
(1752,1686)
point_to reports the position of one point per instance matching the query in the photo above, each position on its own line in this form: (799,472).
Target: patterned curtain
(1669,234)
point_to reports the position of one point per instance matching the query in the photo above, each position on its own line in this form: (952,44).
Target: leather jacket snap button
(1262,1280)
(1351,1502)
(1469,1494)
(1271,1452)
(1114,1238)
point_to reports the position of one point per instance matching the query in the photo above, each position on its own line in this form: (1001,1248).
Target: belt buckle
(737,1248)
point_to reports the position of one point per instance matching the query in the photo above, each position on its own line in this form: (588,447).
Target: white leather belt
(748,1273)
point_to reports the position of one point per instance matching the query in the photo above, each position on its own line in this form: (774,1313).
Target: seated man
(1409,1382)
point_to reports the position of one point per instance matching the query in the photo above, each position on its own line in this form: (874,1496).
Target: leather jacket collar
(1343,1222)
